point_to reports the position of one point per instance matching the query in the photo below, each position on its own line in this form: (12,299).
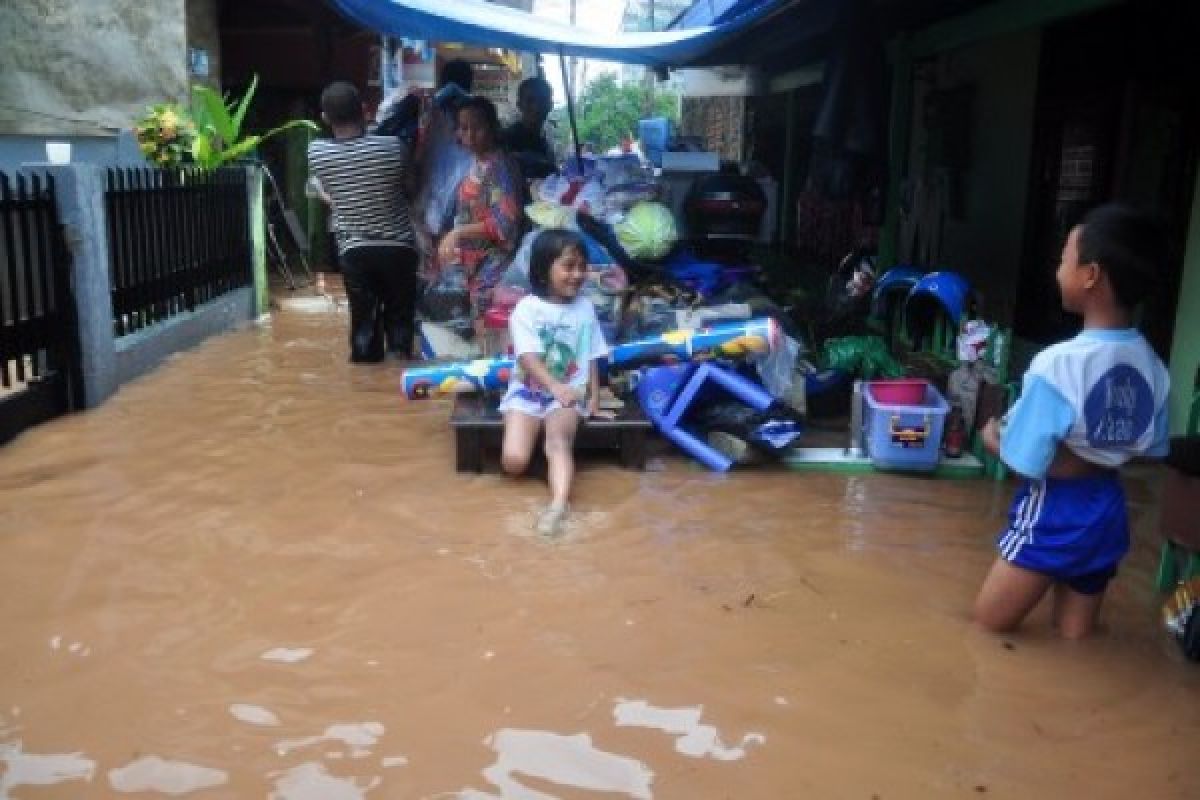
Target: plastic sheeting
(478,22)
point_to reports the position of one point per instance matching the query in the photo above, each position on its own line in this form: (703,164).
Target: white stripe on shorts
(1024,531)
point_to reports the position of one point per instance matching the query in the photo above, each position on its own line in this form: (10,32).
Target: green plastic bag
(864,357)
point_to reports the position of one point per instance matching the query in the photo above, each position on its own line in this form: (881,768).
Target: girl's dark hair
(487,112)
(1128,245)
(547,247)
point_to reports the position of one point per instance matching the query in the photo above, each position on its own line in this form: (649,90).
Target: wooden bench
(479,426)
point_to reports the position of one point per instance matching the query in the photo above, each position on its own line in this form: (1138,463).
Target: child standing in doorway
(557,341)
(1088,405)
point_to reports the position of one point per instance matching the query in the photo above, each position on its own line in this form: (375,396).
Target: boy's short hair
(341,104)
(547,247)
(535,84)
(459,72)
(1128,245)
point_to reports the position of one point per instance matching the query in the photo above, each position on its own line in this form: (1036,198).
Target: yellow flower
(168,120)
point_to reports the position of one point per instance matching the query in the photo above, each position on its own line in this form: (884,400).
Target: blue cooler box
(907,437)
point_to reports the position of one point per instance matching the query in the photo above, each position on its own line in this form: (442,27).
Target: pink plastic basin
(900,392)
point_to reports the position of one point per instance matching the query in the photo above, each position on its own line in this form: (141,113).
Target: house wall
(983,227)
(1185,350)
(88,68)
(203,32)
(83,72)
(719,121)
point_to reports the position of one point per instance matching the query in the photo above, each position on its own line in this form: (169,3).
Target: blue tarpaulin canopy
(715,12)
(481,23)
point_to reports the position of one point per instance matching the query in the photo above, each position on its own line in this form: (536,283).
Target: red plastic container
(899,392)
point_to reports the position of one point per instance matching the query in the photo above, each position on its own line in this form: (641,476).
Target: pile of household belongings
(651,293)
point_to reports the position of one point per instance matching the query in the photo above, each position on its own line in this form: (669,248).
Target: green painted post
(1185,349)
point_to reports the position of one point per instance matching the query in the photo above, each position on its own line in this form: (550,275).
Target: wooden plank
(478,425)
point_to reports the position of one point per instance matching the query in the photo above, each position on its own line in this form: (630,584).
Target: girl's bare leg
(560,460)
(520,436)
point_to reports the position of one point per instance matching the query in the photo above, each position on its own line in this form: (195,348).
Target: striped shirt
(366,178)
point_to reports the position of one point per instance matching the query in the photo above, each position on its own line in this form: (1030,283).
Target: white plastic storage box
(905,437)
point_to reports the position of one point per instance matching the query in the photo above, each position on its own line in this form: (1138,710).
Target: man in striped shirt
(364,179)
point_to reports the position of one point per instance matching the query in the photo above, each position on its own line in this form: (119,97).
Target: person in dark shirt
(524,139)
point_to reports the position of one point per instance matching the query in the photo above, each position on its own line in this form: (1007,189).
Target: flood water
(255,573)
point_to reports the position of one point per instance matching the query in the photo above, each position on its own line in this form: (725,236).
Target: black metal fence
(176,239)
(39,335)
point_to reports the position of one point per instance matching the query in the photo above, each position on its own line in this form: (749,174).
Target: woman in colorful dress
(487,218)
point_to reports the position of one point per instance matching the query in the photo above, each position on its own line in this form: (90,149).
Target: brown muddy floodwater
(254,573)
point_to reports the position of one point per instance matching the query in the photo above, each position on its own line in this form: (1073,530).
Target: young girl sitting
(557,341)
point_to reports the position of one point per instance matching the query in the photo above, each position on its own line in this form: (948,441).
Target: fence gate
(39,334)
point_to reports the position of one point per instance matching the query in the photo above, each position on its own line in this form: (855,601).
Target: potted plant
(165,135)
(218,139)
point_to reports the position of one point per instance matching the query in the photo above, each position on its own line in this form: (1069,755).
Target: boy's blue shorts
(1074,530)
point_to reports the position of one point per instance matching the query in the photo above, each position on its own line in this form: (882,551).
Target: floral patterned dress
(489,194)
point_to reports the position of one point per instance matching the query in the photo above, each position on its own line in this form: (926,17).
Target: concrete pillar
(258,242)
(79,189)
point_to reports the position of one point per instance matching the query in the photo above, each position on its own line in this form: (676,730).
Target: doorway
(1113,122)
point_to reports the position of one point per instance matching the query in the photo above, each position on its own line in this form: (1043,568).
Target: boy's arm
(991,436)
(1039,420)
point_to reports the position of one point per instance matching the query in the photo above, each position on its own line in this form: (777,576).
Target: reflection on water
(287,655)
(695,740)
(254,715)
(311,781)
(359,738)
(258,564)
(37,769)
(570,761)
(154,774)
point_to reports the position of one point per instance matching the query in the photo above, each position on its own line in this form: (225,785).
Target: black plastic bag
(448,301)
(771,431)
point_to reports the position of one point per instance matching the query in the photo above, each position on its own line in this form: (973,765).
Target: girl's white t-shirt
(566,335)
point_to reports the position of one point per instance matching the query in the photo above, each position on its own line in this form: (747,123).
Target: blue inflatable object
(666,393)
(897,280)
(949,289)
(597,255)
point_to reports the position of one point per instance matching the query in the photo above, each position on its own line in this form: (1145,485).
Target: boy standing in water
(1087,406)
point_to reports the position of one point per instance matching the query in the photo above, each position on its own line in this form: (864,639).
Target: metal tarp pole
(562,62)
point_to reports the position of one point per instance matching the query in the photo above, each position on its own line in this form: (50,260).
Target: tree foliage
(608,111)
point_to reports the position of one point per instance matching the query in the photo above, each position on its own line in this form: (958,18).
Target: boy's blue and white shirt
(1103,394)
